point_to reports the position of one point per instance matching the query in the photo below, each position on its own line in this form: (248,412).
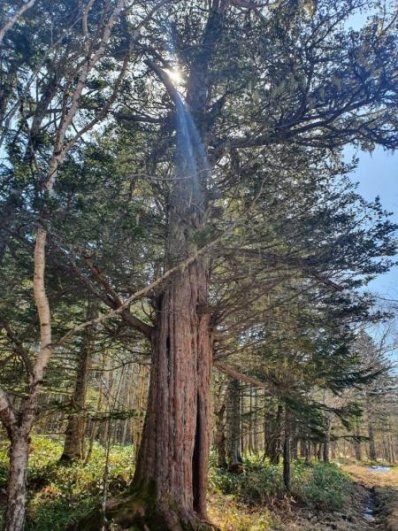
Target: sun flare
(175,75)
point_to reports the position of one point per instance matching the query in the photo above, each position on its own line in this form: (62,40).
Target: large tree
(257,78)
(224,96)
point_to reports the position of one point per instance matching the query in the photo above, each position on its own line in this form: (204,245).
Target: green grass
(317,485)
(62,494)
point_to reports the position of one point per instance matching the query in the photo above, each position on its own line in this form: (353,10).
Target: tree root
(139,513)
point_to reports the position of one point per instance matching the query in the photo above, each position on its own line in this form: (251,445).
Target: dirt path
(357,515)
(383,486)
(373,505)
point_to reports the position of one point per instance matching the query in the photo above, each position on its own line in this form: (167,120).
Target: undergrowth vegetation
(320,486)
(62,494)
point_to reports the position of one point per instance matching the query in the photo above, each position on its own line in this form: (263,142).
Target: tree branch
(14,19)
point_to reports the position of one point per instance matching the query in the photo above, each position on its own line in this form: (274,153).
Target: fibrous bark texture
(170,483)
(174,453)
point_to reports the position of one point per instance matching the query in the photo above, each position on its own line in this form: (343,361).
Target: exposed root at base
(134,514)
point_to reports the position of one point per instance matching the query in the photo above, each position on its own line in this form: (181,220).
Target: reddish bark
(170,483)
(173,457)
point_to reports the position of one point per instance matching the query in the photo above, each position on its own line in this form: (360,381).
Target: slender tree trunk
(16,488)
(233,427)
(250,426)
(333,449)
(255,422)
(76,427)
(319,451)
(273,434)
(286,451)
(307,450)
(357,443)
(372,445)
(95,423)
(326,444)
(391,444)
(294,448)
(220,439)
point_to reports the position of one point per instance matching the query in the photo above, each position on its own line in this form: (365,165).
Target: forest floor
(383,488)
(231,516)
(371,504)
(324,497)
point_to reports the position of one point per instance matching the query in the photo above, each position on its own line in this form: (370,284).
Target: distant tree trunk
(326,444)
(126,422)
(76,427)
(95,423)
(255,422)
(319,451)
(357,443)
(220,439)
(286,450)
(390,443)
(250,430)
(233,424)
(294,448)
(372,445)
(273,433)
(305,449)
(294,440)
(333,449)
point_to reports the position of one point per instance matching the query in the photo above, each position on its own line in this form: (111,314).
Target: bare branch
(14,19)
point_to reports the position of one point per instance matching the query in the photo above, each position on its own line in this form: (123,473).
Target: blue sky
(377,174)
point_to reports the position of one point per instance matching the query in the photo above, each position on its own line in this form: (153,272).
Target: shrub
(320,486)
(325,487)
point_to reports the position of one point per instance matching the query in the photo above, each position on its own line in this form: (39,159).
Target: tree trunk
(220,439)
(286,451)
(306,445)
(16,486)
(255,422)
(76,427)
(273,434)
(170,482)
(233,430)
(333,449)
(326,443)
(319,451)
(357,442)
(372,446)
(173,457)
